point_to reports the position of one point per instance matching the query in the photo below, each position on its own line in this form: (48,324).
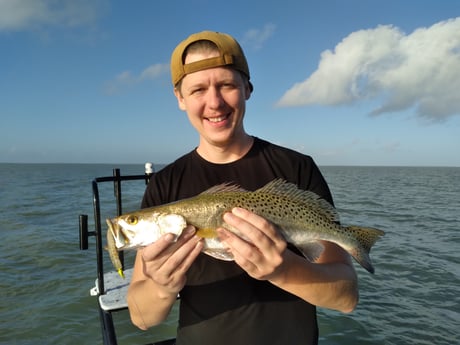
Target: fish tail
(366,238)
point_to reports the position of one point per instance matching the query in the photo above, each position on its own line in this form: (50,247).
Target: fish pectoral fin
(206,233)
(311,250)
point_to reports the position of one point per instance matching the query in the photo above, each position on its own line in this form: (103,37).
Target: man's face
(215,102)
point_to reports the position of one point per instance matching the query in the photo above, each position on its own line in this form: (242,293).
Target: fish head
(136,230)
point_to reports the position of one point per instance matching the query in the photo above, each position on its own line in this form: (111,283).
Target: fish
(302,217)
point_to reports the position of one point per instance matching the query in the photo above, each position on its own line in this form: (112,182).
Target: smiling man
(269,293)
(214,98)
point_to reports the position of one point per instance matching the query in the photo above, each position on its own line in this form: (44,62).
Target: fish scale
(302,217)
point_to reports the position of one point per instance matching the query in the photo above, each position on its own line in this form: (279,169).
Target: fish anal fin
(311,250)
(221,254)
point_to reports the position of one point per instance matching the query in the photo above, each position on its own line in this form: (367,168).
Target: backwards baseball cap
(230,54)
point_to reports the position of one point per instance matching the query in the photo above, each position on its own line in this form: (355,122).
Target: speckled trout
(303,218)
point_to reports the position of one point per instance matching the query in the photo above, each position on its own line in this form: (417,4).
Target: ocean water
(413,297)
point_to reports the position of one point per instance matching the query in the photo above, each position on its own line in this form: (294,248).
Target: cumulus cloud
(17,15)
(420,70)
(127,79)
(255,38)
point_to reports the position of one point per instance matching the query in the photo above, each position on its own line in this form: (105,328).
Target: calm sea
(413,298)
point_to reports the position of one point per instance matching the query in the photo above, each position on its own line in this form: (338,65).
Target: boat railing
(109,288)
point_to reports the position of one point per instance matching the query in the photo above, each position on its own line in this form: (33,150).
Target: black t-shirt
(220,303)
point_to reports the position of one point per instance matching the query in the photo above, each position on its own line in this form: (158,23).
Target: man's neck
(226,153)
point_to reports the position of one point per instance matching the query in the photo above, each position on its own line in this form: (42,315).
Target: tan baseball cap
(231,55)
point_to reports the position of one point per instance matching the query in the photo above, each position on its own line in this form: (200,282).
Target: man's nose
(215,98)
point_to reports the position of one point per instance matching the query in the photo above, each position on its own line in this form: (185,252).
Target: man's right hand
(166,261)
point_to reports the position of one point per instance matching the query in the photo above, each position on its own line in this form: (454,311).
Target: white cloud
(420,70)
(126,79)
(153,71)
(255,38)
(17,15)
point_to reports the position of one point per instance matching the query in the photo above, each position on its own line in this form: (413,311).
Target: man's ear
(180,99)
(248,90)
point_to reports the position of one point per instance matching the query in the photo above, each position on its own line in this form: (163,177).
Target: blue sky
(355,82)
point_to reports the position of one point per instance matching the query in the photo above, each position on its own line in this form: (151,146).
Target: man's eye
(228,86)
(195,91)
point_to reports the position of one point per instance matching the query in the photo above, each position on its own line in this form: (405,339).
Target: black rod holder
(83,225)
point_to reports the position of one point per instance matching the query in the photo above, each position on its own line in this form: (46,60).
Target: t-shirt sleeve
(317,183)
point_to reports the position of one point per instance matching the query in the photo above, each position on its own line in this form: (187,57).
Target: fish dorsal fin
(224,188)
(282,188)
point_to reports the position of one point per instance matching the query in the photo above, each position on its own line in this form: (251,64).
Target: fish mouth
(121,241)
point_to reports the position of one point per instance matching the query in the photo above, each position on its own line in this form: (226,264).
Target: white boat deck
(115,288)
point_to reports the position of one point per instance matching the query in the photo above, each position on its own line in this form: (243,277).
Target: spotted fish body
(303,218)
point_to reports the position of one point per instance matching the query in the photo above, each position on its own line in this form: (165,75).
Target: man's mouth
(217,118)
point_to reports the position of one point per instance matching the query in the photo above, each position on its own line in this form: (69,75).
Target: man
(268,294)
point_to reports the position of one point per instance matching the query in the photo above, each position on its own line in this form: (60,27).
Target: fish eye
(132,220)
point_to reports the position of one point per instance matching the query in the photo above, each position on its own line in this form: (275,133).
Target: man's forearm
(147,306)
(328,285)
